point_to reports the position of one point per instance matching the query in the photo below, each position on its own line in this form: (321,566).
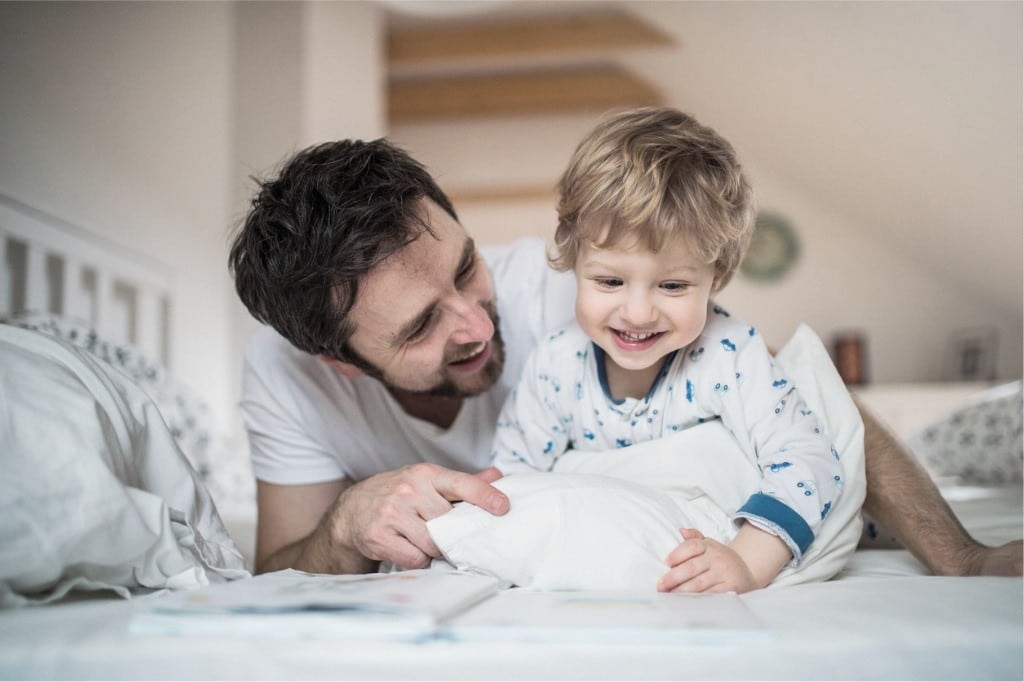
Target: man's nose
(473,323)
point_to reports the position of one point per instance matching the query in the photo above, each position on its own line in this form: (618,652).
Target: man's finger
(455,486)
(417,535)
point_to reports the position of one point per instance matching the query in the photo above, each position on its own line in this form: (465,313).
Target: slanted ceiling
(519,67)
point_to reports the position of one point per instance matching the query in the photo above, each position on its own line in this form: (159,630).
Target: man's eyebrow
(413,325)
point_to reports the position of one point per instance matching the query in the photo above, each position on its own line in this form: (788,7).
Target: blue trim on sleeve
(781,516)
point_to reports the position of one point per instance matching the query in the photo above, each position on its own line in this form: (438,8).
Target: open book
(404,606)
(440,604)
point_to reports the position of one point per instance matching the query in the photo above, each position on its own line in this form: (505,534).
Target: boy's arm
(763,553)
(802,476)
(751,561)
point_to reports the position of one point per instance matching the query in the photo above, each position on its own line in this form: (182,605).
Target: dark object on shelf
(850,352)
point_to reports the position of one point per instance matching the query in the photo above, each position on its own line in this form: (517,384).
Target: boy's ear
(345,369)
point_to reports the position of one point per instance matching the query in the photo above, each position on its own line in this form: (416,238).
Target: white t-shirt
(308,424)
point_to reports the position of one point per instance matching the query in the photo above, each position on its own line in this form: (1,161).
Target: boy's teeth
(635,337)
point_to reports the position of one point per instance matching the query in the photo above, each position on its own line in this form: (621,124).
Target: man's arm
(290,532)
(330,528)
(902,496)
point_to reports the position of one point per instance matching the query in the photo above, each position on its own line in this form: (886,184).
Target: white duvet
(607,520)
(94,493)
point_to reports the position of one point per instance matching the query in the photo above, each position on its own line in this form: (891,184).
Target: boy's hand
(702,565)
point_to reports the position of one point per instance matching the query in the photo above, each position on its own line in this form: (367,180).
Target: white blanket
(94,493)
(608,520)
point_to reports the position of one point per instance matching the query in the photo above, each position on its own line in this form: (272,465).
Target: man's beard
(448,387)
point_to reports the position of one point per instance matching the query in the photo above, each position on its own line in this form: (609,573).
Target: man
(370,398)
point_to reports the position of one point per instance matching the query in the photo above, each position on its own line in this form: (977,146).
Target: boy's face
(426,319)
(638,305)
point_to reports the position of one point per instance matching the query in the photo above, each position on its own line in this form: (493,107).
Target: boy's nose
(638,311)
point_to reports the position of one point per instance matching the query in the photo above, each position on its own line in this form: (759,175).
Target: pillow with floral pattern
(980,443)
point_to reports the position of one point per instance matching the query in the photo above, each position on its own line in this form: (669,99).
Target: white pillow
(566,531)
(607,520)
(94,492)
(979,443)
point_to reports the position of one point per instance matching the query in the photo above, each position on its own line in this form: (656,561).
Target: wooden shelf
(589,88)
(504,193)
(520,37)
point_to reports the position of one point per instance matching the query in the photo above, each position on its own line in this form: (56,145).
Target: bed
(882,617)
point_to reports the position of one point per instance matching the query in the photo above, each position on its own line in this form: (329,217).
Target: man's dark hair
(334,212)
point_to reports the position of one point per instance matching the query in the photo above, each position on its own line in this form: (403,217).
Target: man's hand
(384,517)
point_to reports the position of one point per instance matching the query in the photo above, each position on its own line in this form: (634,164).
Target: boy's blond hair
(649,174)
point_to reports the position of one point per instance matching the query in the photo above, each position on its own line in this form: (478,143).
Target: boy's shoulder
(727,329)
(719,317)
(564,341)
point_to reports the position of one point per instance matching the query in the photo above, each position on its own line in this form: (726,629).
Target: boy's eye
(609,282)
(675,287)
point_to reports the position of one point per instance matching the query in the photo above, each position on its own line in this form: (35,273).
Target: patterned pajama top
(562,402)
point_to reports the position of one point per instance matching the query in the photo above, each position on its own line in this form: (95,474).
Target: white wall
(115,118)
(141,122)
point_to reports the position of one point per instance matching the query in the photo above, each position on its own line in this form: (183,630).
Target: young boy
(654,218)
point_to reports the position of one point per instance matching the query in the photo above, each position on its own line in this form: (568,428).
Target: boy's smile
(639,306)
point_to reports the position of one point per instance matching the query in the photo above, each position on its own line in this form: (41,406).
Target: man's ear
(345,369)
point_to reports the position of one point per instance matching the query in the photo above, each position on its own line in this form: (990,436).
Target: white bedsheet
(883,618)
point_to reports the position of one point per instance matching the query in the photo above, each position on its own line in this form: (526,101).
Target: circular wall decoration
(773,250)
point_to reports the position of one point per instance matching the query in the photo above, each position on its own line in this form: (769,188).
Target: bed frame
(50,266)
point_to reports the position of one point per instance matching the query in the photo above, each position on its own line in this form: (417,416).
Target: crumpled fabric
(94,492)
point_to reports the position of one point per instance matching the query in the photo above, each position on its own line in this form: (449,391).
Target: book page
(403,605)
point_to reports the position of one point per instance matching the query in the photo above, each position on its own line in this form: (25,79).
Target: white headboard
(48,265)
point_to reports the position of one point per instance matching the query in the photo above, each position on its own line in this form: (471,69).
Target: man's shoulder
(266,344)
(272,356)
(526,252)
(533,299)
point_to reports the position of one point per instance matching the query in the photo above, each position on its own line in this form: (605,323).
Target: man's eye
(467,270)
(421,331)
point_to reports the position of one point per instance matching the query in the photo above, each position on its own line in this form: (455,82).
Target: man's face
(425,318)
